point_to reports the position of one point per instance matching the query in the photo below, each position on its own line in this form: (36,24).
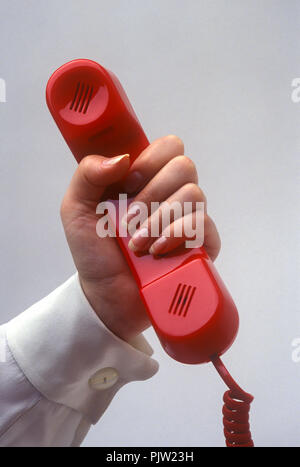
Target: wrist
(119,321)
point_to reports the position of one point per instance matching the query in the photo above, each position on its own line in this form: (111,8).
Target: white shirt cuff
(69,355)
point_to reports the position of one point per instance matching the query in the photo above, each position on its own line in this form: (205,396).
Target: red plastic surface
(93,112)
(192,312)
(94,116)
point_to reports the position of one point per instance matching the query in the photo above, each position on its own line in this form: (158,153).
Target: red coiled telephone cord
(235,410)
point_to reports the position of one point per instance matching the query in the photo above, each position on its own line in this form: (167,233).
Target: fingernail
(139,240)
(133,182)
(131,213)
(158,246)
(114,160)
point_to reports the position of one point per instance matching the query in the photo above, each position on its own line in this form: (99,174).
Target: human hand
(161,173)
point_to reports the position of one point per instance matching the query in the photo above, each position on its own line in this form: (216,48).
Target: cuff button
(103,379)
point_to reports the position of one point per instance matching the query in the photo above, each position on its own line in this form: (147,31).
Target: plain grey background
(218,74)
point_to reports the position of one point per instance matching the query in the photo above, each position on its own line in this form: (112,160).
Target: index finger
(151,160)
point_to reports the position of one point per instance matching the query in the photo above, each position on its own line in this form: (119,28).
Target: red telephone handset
(189,306)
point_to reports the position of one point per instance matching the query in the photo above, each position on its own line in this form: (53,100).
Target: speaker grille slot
(182,300)
(82,98)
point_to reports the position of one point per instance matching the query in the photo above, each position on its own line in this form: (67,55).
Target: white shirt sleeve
(60,367)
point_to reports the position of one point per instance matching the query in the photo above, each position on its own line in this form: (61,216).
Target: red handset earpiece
(188,304)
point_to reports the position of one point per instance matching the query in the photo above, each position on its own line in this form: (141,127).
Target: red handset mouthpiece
(188,304)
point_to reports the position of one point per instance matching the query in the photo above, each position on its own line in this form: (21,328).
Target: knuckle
(63,209)
(194,191)
(85,163)
(176,142)
(186,164)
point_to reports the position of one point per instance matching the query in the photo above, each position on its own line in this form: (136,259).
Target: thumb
(93,175)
